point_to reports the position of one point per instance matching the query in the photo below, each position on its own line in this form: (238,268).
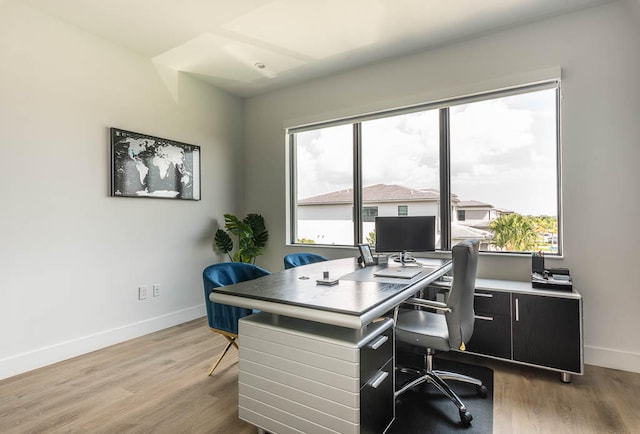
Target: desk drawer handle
(484,318)
(378,379)
(482,294)
(378,342)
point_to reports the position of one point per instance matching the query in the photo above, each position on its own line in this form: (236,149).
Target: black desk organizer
(549,278)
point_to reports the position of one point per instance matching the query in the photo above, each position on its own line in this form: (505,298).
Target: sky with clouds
(503,152)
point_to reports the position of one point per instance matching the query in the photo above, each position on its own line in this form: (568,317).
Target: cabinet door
(546,331)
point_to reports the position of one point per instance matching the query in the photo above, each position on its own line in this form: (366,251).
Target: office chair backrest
(222,316)
(462,316)
(297,259)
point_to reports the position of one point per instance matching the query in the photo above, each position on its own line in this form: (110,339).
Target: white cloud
(503,153)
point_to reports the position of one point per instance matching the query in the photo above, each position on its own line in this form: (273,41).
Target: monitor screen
(405,234)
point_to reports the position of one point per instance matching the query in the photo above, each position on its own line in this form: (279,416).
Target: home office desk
(320,358)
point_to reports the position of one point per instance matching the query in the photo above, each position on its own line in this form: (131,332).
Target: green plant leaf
(237,227)
(223,242)
(260,233)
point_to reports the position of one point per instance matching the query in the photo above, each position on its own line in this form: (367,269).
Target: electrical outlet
(142,292)
(156,290)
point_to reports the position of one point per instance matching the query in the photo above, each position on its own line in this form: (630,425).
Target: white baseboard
(614,359)
(34,359)
(14,365)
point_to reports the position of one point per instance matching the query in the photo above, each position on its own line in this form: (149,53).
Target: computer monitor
(405,234)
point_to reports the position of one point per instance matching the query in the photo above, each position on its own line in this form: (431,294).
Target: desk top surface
(357,292)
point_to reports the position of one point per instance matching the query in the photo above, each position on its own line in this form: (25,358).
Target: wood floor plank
(158,384)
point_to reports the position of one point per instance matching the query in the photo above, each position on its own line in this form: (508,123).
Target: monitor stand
(405,259)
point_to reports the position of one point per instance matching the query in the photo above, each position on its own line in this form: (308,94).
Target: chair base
(231,339)
(435,377)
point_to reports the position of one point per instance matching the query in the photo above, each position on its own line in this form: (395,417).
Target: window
(369,213)
(485,165)
(323,186)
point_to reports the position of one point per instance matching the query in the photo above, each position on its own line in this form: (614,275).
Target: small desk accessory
(366,257)
(326,280)
(549,278)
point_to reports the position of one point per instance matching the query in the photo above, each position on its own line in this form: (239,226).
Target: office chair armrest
(429,304)
(420,302)
(441,284)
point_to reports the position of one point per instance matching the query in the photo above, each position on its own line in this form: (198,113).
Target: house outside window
(497,154)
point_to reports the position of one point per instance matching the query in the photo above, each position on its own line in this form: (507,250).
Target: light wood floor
(158,384)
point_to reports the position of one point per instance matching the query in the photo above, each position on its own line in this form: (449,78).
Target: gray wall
(73,257)
(598,52)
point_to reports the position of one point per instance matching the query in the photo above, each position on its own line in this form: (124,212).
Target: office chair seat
(424,329)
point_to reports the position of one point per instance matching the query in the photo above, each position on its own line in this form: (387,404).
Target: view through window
(500,162)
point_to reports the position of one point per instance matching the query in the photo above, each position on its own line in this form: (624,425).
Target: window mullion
(445,181)
(293,185)
(357,183)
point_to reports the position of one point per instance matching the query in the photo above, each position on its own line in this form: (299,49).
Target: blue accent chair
(223,318)
(297,259)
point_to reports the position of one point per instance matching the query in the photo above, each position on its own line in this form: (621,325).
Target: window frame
(446,217)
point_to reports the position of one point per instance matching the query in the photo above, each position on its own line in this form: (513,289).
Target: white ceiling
(222,41)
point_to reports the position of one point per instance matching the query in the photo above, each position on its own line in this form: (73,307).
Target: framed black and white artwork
(148,166)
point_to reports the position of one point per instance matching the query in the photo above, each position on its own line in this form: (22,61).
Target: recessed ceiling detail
(221,41)
(223,58)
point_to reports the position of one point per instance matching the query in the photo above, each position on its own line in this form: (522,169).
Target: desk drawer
(491,335)
(491,302)
(377,401)
(375,354)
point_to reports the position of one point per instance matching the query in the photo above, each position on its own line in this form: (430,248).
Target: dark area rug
(425,410)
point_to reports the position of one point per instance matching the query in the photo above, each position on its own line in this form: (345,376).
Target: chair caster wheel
(465,418)
(482,391)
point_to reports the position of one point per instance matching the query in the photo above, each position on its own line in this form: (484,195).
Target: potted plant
(251,233)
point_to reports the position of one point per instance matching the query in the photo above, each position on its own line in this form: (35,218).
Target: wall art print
(148,166)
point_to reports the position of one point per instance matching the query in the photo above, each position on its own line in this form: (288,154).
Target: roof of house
(377,193)
(473,204)
(459,232)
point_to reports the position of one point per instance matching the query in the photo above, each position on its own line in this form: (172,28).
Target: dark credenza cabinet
(518,323)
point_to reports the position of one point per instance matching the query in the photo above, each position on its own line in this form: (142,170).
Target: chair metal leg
(437,378)
(232,341)
(411,385)
(446,391)
(445,375)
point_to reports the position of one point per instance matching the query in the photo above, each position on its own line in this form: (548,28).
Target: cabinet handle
(482,294)
(517,311)
(378,342)
(378,379)
(484,318)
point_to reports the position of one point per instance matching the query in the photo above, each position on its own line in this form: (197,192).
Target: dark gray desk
(355,301)
(320,358)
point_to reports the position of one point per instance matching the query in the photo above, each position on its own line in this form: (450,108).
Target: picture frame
(152,167)
(366,255)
